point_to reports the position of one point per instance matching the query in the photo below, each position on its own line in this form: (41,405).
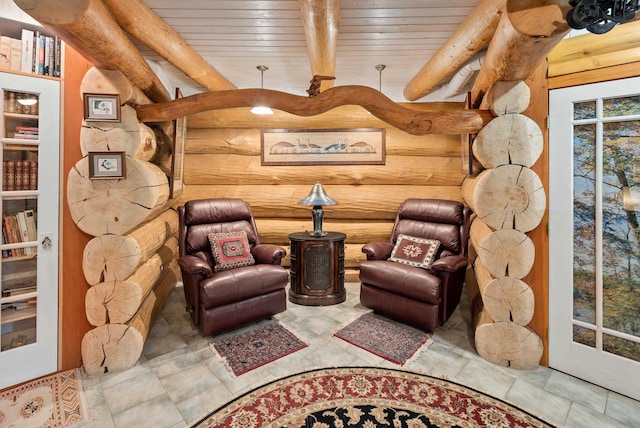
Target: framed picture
(106,165)
(176,181)
(102,107)
(351,146)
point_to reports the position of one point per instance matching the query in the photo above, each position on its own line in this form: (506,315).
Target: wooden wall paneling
(73,287)
(348,116)
(354,201)
(595,76)
(407,170)
(538,278)
(243,141)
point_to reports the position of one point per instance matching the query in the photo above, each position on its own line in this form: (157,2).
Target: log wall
(223,159)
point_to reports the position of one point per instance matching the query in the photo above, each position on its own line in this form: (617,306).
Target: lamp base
(317,213)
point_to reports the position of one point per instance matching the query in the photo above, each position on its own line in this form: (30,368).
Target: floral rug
(366,397)
(50,401)
(247,350)
(392,341)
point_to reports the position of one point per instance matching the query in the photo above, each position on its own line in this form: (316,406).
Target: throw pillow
(414,251)
(230,250)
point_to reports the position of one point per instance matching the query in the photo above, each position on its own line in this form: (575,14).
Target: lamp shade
(318,196)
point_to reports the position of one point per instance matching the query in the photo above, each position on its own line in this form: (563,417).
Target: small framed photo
(102,107)
(106,165)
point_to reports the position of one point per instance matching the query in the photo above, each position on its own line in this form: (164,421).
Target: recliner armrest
(268,254)
(195,266)
(449,264)
(377,250)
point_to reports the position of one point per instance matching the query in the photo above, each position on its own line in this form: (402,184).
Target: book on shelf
(19,175)
(18,228)
(5,53)
(31,52)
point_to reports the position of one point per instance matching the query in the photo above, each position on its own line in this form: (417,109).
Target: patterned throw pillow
(414,251)
(230,250)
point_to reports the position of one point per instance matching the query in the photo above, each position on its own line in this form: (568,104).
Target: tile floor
(178,379)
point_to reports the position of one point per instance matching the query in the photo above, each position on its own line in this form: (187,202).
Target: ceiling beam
(526,33)
(470,37)
(412,121)
(321,19)
(141,22)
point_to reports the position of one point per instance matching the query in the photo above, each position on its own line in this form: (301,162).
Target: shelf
(20,141)
(21,116)
(19,194)
(11,315)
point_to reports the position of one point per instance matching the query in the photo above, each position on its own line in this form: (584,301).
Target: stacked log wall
(509,201)
(130,263)
(223,159)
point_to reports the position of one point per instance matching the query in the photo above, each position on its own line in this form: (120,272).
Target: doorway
(594,237)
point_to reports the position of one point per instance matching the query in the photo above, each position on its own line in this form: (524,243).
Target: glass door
(29,268)
(594,233)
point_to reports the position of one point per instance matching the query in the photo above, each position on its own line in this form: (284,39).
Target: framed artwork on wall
(107,165)
(350,146)
(102,107)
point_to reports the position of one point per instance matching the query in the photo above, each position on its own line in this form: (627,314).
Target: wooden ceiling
(235,36)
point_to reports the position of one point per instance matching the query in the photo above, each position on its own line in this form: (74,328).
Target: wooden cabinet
(30,137)
(317,269)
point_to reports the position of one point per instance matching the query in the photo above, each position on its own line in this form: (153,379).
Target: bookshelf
(29,201)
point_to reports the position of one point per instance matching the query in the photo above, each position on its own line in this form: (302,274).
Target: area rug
(392,341)
(51,401)
(366,397)
(251,349)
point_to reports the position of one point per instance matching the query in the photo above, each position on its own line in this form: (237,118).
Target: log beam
(89,27)
(526,33)
(471,36)
(409,120)
(321,20)
(141,22)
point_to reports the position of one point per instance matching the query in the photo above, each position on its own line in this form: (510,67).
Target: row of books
(19,175)
(17,228)
(33,53)
(27,132)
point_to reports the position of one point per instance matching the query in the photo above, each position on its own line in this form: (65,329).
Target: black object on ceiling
(600,16)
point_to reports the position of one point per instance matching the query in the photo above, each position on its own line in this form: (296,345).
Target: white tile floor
(178,379)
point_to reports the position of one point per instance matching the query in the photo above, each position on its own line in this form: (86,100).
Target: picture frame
(345,146)
(176,180)
(101,107)
(107,165)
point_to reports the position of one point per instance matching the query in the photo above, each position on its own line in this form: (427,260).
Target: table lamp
(317,197)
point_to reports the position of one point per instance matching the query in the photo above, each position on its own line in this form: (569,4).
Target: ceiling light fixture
(380,67)
(261,109)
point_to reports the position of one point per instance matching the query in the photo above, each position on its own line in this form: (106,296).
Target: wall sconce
(261,109)
(317,197)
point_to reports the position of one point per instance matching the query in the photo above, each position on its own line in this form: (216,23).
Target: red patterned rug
(47,402)
(366,397)
(392,341)
(247,350)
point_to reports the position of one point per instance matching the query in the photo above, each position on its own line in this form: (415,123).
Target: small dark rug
(391,341)
(247,350)
(366,397)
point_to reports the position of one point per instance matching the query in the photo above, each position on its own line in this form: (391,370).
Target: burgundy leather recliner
(425,298)
(220,301)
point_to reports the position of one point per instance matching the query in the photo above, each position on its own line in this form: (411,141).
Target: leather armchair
(223,300)
(425,298)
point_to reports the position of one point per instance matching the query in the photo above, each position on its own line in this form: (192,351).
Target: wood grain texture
(409,120)
(90,28)
(142,23)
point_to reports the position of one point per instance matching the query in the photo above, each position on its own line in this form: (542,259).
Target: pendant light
(380,67)
(261,109)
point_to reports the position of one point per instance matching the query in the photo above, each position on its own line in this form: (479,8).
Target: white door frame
(597,366)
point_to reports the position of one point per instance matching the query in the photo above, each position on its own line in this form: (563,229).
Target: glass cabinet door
(28,272)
